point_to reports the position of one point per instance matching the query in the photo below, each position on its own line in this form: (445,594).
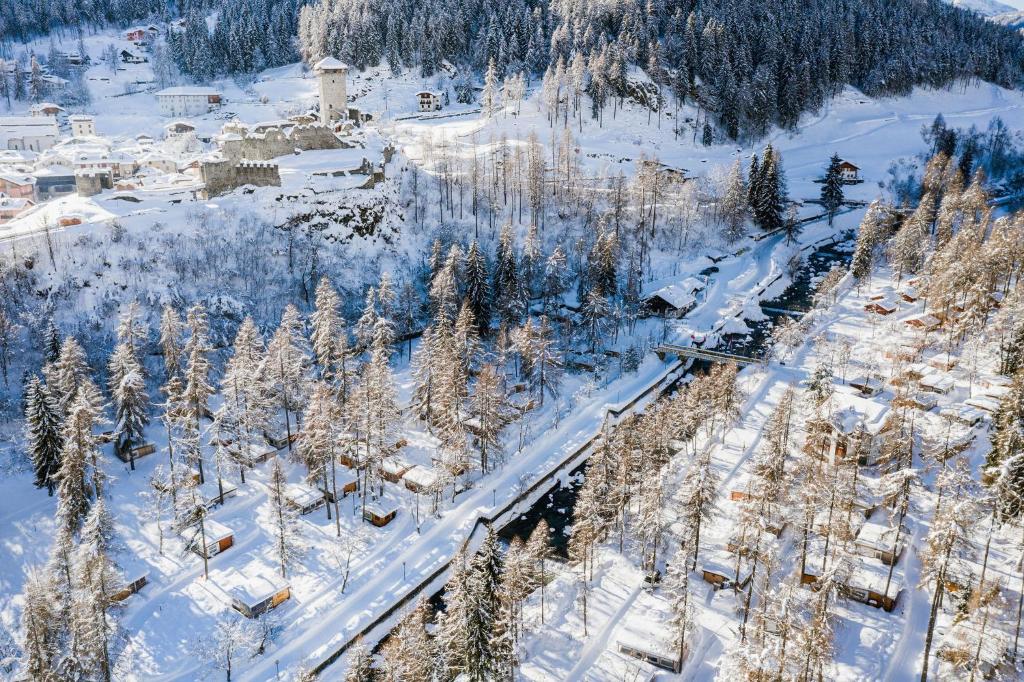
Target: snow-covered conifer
(43,434)
(288,545)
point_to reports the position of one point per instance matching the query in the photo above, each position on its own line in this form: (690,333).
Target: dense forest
(24,19)
(751,64)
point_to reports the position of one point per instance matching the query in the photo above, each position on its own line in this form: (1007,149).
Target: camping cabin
(428,101)
(964,414)
(919,401)
(853,419)
(642,634)
(136,452)
(394,468)
(720,571)
(347,482)
(983,403)
(882,306)
(380,514)
(675,300)
(132,584)
(924,322)
(303,498)
(936,383)
(910,295)
(878,540)
(868,386)
(420,479)
(254,595)
(868,582)
(218,538)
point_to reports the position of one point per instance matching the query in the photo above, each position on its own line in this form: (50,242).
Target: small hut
(303,498)
(253,595)
(380,514)
(212,538)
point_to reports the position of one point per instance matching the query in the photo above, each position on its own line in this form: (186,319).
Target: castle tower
(333,101)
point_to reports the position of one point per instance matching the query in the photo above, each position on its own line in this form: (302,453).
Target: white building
(333,96)
(82,125)
(187,100)
(34,133)
(428,101)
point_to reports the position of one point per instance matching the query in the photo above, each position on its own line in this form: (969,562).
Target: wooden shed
(420,479)
(254,595)
(380,514)
(303,498)
(214,537)
(133,583)
(719,569)
(394,468)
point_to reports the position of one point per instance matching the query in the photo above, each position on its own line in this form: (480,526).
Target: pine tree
(733,207)
(99,581)
(316,446)
(73,478)
(698,495)
(491,415)
(376,407)
(131,402)
(478,288)
(39,632)
(195,397)
(489,103)
(485,597)
(360,665)
(555,278)
(171,329)
(286,356)
(832,188)
(509,294)
(453,627)
(42,430)
(245,411)
(413,655)
(68,374)
(287,543)
(329,337)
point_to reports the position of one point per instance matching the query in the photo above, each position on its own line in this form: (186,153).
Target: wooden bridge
(703,354)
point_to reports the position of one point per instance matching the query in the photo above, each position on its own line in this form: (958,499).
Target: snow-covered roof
(53,170)
(877,533)
(250,589)
(80,118)
(394,465)
(330,64)
(195,90)
(852,410)
(302,494)
(18,178)
(215,531)
(422,476)
(429,93)
(34,123)
(15,202)
(382,508)
(675,295)
(983,403)
(644,627)
(937,382)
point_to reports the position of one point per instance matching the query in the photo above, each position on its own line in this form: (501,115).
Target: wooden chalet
(380,514)
(674,300)
(936,383)
(392,469)
(924,322)
(849,172)
(719,569)
(877,539)
(252,595)
(882,306)
(421,479)
(643,633)
(303,498)
(133,583)
(853,419)
(213,536)
(136,452)
(864,583)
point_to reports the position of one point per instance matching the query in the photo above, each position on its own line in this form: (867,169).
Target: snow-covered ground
(180,607)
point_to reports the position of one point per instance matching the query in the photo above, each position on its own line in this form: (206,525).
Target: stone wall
(276,142)
(90,184)
(224,175)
